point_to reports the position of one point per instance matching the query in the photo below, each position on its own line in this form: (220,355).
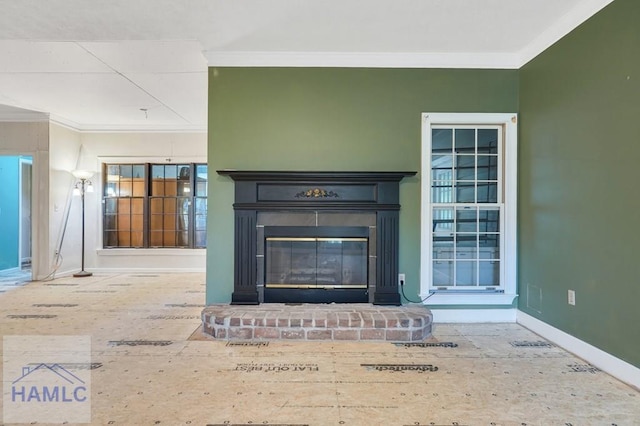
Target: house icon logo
(48,383)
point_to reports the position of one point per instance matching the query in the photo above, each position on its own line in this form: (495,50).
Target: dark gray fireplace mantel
(291,191)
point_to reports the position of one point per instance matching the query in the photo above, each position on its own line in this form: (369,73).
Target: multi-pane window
(469,203)
(125,191)
(155,205)
(466,206)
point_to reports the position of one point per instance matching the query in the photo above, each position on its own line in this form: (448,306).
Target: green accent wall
(332,119)
(579,199)
(9,211)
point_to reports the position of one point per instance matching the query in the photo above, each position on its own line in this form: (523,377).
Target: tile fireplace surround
(319,203)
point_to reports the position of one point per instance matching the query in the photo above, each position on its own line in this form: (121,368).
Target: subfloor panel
(151,364)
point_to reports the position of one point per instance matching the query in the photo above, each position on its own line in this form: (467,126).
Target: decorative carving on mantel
(317,193)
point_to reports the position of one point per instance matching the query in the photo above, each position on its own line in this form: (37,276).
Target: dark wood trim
(314,176)
(315,206)
(387,254)
(245,276)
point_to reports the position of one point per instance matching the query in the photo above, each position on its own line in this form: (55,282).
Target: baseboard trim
(606,362)
(133,271)
(146,270)
(472,315)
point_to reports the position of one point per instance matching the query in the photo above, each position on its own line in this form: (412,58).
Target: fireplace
(316,237)
(316,264)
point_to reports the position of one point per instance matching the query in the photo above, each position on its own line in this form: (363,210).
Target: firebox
(316,264)
(316,237)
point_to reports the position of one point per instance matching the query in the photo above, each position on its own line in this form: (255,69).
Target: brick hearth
(318,322)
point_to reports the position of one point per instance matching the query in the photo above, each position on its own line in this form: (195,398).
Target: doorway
(26,168)
(16,226)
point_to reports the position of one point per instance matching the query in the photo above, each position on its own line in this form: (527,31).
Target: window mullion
(192,205)
(454,229)
(477,258)
(147,205)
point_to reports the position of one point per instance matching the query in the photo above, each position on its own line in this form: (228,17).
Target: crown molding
(484,60)
(474,60)
(563,26)
(167,128)
(23,117)
(42,117)
(126,128)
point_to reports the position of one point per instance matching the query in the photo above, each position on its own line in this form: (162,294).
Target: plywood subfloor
(152,366)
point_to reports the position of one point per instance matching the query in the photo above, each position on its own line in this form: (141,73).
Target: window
(155,205)
(468,207)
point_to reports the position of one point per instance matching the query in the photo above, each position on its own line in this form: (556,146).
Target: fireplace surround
(316,237)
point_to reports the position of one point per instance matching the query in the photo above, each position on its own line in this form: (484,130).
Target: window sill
(151,252)
(470,299)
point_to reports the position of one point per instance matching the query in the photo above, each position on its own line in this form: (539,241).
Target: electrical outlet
(571,297)
(401,279)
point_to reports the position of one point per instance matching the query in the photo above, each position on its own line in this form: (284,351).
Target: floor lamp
(83,185)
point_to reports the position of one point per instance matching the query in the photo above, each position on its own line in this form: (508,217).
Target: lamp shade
(82,174)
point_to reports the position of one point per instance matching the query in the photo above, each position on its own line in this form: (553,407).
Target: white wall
(32,138)
(64,158)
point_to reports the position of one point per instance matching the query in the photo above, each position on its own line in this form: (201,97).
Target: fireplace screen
(313,262)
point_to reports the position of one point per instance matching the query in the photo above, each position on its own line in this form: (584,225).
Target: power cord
(57,263)
(409,300)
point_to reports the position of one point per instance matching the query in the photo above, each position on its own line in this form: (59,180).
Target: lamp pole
(84,181)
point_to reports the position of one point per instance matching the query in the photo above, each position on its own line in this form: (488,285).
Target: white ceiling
(98,65)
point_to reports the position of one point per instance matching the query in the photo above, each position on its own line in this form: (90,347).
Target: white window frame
(507,293)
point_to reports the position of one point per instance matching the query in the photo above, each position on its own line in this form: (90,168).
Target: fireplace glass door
(315,262)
